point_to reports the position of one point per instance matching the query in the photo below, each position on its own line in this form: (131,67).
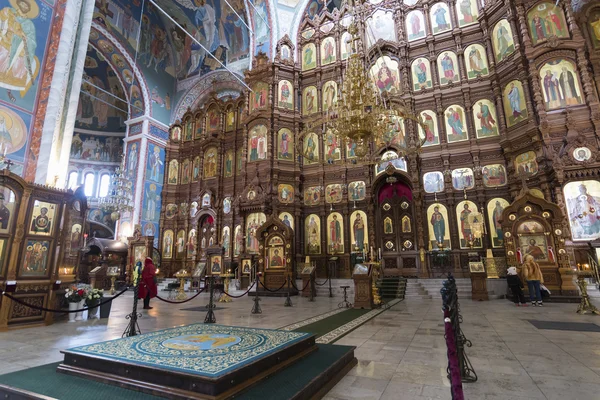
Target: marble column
(63,99)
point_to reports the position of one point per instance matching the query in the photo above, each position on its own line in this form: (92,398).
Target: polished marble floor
(401,352)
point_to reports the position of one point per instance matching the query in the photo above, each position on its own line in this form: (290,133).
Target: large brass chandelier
(362,117)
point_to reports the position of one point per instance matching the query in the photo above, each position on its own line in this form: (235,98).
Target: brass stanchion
(182,274)
(256,307)
(224,298)
(288,299)
(585,306)
(210,315)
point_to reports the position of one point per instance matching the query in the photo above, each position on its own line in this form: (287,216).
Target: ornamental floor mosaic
(205,350)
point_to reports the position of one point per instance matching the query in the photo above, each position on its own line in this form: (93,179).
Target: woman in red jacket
(148,289)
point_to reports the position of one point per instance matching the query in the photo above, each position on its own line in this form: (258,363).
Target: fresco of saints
(385,79)
(309,101)
(465,226)
(328,52)
(514,99)
(308,57)
(285,139)
(155,164)
(329,95)
(487,121)
(428,128)
(454,118)
(314,239)
(476,64)
(359,232)
(448,68)
(504,41)
(420,71)
(152,201)
(19,66)
(310,150)
(584,213)
(416,30)
(568,85)
(440,19)
(467,14)
(496,217)
(553,94)
(335,234)
(252,242)
(285,95)
(439,225)
(229,164)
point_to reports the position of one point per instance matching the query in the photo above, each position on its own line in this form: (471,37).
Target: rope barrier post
(210,315)
(329,279)
(256,307)
(133,328)
(288,299)
(312,287)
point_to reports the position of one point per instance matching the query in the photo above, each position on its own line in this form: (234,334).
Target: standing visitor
(148,289)
(515,285)
(533,275)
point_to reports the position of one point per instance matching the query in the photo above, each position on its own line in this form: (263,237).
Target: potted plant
(74,295)
(94,296)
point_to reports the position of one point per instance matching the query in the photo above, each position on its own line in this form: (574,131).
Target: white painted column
(63,99)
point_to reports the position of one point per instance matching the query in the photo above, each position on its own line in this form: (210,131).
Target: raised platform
(194,361)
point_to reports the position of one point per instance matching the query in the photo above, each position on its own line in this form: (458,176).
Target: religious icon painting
(485,119)
(466,12)
(467,215)
(580,154)
(253,222)
(238,240)
(440,18)
(380,26)
(456,126)
(7,208)
(433,182)
(42,218)
(312,228)
(502,40)
(309,57)
(357,191)
(594,27)
(448,68)
(534,245)
(171,211)
(546,20)
(176,133)
(213,119)
(259,99)
(328,51)
(206,200)
(285,95)
(2,255)
(228,167)
(530,226)
(439,231)
(335,233)
(276,257)
(333,193)
(287,219)
(428,130)
(226,240)
(350,149)
(583,206)
(310,148)
(210,163)
(346,45)
(285,193)
(495,208)
(180,244)
(167,244)
(406,224)
(560,83)
(186,172)
(246,266)
(173,172)
(192,242)
(257,143)
(394,134)
(35,258)
(216,265)
(285,145)
(285,53)
(421,74)
(193,209)
(312,196)
(493,175)
(199,126)
(463,178)
(388,226)
(514,103)
(309,101)
(526,163)
(386,75)
(476,60)
(359,231)
(226,205)
(75,238)
(230,120)
(415,25)
(331,147)
(329,91)
(188,129)
(390,158)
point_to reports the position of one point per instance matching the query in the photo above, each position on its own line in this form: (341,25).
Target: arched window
(88,184)
(73,178)
(104,185)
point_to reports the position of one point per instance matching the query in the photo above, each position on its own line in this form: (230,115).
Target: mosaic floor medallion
(206,350)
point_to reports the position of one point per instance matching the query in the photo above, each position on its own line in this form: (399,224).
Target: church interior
(273,199)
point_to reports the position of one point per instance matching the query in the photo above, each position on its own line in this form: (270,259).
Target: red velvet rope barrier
(455,379)
(321,284)
(180,302)
(272,291)
(17,300)
(305,286)
(243,294)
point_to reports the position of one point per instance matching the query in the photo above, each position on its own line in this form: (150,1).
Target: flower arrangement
(94,296)
(75,294)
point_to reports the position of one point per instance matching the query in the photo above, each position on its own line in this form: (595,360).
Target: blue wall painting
(155,170)
(155,167)
(96,148)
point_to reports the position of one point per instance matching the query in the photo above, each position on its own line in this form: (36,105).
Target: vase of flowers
(74,296)
(94,297)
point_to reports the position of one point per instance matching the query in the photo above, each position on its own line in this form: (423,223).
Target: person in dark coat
(148,289)
(515,285)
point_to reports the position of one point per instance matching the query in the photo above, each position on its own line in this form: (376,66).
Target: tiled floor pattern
(401,352)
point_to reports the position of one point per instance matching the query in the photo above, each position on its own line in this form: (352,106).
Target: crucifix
(524,176)
(8,164)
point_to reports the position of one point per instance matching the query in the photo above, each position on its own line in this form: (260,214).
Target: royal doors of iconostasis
(395,227)
(276,252)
